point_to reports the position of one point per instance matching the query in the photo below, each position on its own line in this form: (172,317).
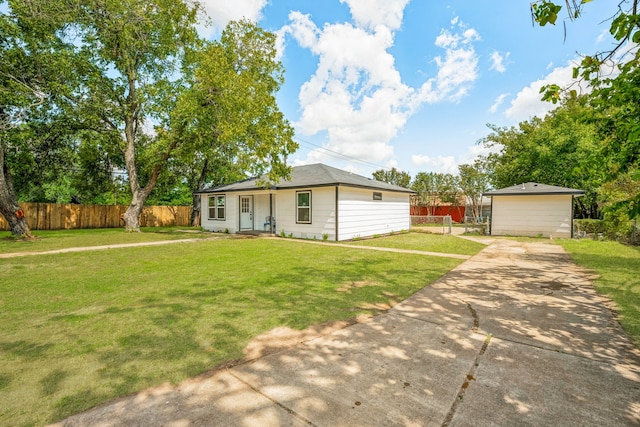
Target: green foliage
(435,189)
(590,227)
(474,180)
(393,176)
(228,119)
(34,81)
(562,149)
(102,90)
(617,115)
(545,12)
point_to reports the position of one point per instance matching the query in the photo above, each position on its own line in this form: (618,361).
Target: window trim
(216,207)
(298,207)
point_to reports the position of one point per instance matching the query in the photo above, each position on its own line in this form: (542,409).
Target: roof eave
(541,193)
(296,187)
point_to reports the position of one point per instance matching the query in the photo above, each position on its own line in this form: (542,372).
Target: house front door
(246,212)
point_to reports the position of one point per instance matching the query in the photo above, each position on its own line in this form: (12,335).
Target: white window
(303,212)
(217,207)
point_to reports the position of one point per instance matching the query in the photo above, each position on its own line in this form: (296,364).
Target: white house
(318,201)
(532,209)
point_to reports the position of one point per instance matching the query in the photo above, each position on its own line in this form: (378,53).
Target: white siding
(548,215)
(232,219)
(361,216)
(323,202)
(229,224)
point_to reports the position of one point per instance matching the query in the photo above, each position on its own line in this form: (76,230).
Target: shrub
(616,226)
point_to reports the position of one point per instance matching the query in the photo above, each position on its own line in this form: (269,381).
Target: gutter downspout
(572,213)
(491,218)
(337,198)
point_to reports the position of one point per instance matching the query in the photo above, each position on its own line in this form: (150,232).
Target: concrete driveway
(516,335)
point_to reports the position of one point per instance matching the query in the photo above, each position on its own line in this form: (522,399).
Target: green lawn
(424,242)
(81,328)
(60,239)
(618,268)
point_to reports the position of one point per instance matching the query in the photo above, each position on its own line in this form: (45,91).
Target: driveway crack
(471,375)
(274,401)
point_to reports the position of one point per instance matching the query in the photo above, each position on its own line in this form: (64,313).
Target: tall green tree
(474,180)
(615,95)
(393,176)
(229,119)
(33,67)
(435,189)
(561,149)
(616,114)
(135,54)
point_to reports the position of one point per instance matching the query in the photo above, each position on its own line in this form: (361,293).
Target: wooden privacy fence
(53,216)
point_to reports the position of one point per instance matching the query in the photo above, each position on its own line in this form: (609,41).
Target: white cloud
(222,12)
(371,13)
(449,164)
(497,62)
(440,164)
(604,35)
(356,94)
(458,70)
(528,102)
(498,102)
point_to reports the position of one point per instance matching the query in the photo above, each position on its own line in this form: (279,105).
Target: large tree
(561,149)
(31,70)
(615,96)
(135,55)
(228,119)
(140,49)
(474,180)
(393,176)
(435,189)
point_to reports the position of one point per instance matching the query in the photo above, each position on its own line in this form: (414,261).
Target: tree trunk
(196,207)
(9,206)
(196,201)
(132,214)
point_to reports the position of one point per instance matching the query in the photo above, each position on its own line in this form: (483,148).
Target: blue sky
(376,84)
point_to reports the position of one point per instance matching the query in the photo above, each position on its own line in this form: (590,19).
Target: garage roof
(533,189)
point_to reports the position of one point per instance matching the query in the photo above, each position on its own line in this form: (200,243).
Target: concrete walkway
(516,335)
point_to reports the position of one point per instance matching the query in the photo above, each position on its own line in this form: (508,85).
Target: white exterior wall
(323,202)
(546,215)
(361,216)
(231,223)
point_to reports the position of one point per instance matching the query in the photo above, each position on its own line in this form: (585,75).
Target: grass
(79,329)
(424,242)
(618,268)
(61,239)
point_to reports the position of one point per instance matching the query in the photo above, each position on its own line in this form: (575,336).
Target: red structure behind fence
(456,212)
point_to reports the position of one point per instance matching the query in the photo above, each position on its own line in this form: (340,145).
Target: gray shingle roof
(533,188)
(316,175)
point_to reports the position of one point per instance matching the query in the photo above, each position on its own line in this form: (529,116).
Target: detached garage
(532,209)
